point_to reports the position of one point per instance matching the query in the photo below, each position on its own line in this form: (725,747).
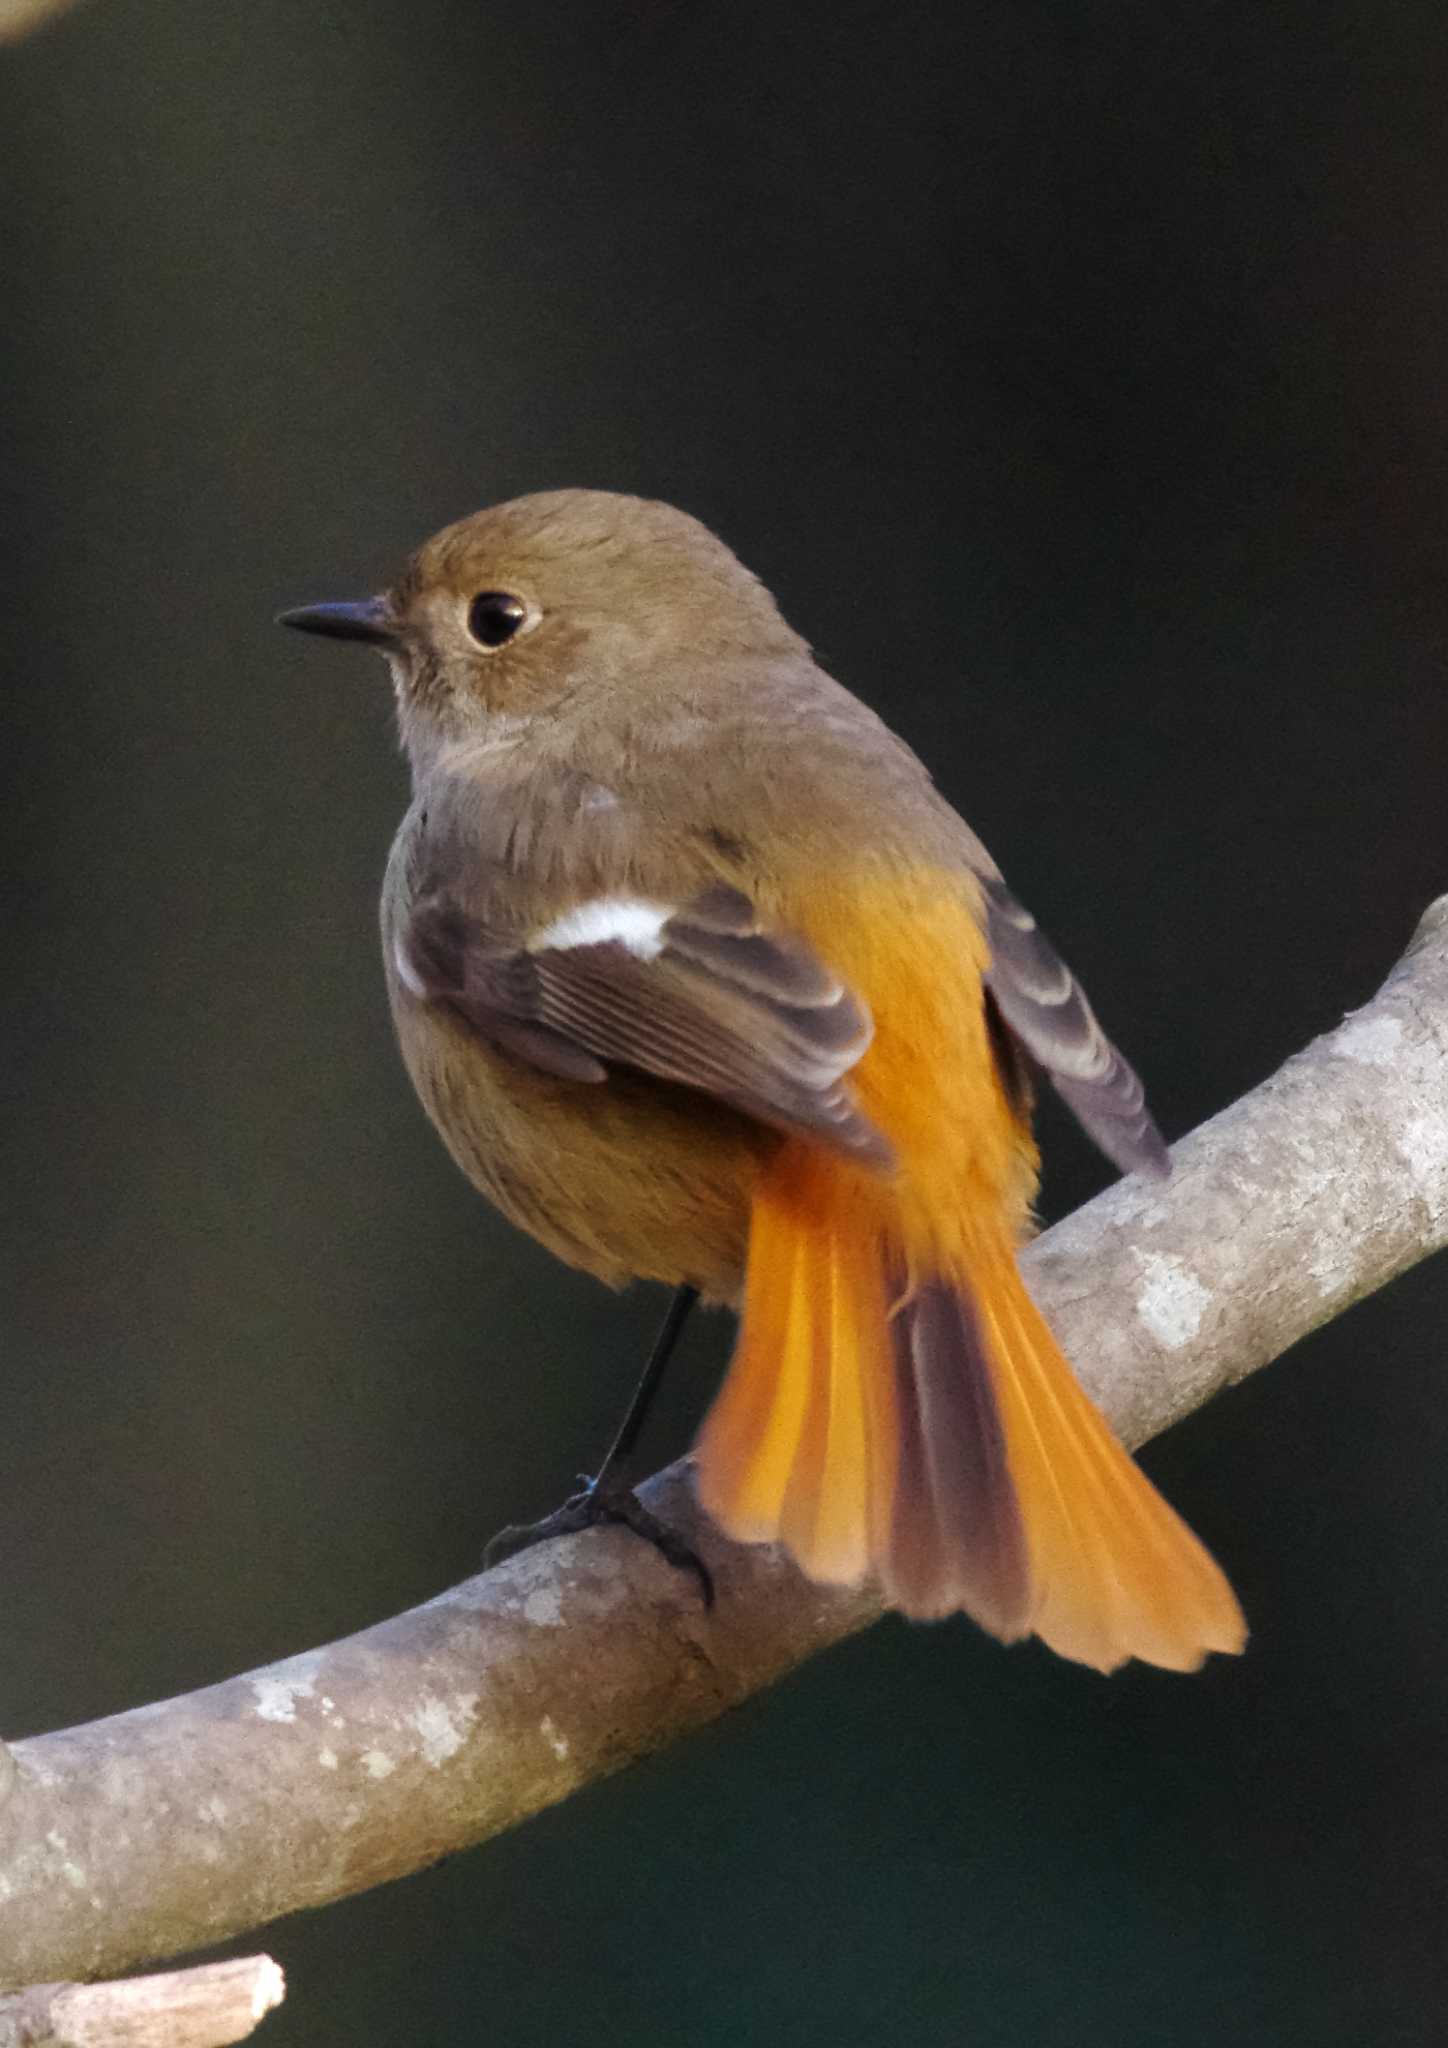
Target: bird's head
(509,613)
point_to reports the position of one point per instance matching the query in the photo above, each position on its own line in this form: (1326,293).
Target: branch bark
(208,2007)
(182,1823)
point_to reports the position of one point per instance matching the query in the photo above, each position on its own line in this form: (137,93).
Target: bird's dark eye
(495,616)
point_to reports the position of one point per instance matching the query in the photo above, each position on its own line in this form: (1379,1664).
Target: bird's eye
(494,616)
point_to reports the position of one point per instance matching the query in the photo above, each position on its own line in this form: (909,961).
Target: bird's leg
(605,1497)
(627,1435)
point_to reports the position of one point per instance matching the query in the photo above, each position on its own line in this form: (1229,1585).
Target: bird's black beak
(370,620)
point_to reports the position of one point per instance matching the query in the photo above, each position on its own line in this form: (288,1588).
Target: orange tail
(924,1427)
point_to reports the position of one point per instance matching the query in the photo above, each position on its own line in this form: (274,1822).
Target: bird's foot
(600,1501)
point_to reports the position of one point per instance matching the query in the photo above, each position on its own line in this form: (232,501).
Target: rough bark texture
(188,1821)
(208,2007)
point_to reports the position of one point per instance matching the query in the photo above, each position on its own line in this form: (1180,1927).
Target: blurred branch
(208,2007)
(17,19)
(180,1824)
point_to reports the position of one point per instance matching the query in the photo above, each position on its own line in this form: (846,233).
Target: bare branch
(208,2007)
(182,1823)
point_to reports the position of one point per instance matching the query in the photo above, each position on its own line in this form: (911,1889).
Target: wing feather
(711,1001)
(1044,1005)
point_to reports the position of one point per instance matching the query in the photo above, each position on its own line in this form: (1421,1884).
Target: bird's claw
(597,1504)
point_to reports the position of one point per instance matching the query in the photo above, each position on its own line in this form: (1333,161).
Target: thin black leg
(605,1498)
(670,1330)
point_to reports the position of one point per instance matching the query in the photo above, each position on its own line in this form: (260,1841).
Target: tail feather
(1119,1573)
(805,1428)
(829,1513)
(756,1422)
(956,1538)
(923,1426)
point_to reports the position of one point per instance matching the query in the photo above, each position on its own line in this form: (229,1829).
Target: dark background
(1076,374)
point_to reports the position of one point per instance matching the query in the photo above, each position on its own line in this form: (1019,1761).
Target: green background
(1078,375)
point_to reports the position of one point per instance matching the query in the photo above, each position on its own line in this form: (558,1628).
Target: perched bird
(701,980)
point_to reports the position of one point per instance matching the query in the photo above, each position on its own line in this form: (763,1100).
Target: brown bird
(702,981)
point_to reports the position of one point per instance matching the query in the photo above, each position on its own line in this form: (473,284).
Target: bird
(703,981)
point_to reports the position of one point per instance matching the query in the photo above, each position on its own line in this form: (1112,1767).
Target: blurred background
(1076,375)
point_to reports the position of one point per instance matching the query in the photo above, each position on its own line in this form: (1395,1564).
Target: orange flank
(897,1406)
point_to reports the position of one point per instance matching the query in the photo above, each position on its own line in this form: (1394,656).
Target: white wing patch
(407,974)
(627,920)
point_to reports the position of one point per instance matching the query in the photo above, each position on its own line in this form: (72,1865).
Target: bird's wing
(1044,1006)
(698,995)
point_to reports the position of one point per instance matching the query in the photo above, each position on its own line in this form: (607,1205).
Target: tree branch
(211,2006)
(17,19)
(182,1823)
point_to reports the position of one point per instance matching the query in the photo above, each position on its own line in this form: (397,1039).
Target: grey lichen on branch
(182,1823)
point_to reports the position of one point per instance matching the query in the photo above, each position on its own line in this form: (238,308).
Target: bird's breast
(626,1178)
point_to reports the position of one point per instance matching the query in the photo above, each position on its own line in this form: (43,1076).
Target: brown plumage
(701,980)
